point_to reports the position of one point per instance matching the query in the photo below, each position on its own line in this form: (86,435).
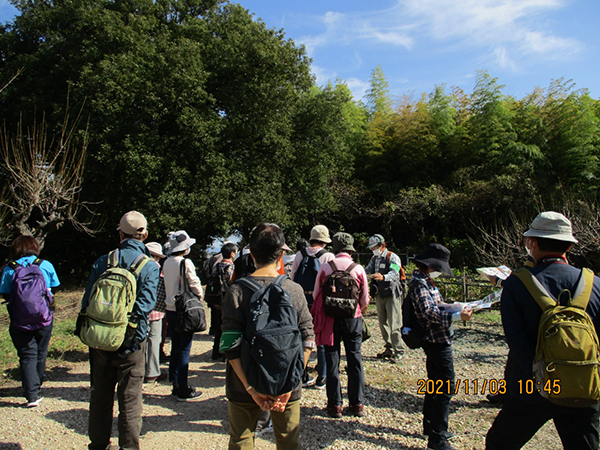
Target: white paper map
(501,272)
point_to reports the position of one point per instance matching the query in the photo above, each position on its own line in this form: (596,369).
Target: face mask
(434,274)
(377,252)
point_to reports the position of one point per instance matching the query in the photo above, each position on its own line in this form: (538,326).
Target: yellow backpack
(567,353)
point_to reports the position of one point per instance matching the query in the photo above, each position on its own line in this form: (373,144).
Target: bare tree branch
(43,177)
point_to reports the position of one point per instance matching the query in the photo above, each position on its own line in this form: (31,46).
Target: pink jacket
(323,324)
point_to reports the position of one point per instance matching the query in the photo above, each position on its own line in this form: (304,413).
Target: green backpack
(567,353)
(104,321)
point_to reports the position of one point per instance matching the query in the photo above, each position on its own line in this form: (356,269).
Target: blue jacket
(147,282)
(521,317)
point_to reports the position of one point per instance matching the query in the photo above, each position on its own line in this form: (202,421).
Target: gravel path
(393,405)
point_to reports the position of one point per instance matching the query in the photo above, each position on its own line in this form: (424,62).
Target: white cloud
(503,60)
(508,30)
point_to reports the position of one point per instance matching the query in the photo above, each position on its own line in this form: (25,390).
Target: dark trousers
(127,376)
(32,348)
(181,344)
(215,318)
(518,421)
(348,331)
(436,406)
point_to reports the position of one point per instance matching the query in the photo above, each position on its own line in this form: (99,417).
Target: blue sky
(423,43)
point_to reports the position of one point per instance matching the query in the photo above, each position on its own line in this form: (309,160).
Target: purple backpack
(28,303)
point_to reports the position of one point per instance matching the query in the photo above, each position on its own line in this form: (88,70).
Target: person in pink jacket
(331,331)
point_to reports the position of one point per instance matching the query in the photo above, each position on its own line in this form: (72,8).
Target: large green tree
(199,116)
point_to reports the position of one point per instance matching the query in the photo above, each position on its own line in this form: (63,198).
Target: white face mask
(434,274)
(377,252)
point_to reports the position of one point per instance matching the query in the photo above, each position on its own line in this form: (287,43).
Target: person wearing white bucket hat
(181,343)
(548,240)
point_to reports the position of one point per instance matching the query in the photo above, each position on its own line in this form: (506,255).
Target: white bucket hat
(551,225)
(180,241)
(155,249)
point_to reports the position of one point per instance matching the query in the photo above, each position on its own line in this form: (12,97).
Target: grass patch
(64,346)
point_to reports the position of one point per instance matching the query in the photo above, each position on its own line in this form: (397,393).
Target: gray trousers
(153,349)
(389,313)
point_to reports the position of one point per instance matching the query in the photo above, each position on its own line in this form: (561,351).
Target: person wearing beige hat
(548,240)
(124,368)
(304,272)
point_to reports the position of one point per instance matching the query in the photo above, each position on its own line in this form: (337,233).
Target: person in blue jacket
(32,343)
(123,369)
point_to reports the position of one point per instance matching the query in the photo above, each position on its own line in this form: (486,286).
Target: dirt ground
(393,404)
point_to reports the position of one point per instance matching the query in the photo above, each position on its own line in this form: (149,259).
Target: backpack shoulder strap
(332,264)
(539,293)
(37,261)
(249,283)
(13,265)
(304,253)
(583,291)
(351,267)
(113,259)
(138,264)
(280,279)
(387,258)
(320,253)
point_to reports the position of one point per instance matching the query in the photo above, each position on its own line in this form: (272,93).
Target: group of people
(322,304)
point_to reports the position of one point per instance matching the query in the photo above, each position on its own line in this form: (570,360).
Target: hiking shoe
(310,381)
(358,410)
(188,394)
(440,446)
(387,353)
(265,430)
(334,411)
(34,403)
(321,383)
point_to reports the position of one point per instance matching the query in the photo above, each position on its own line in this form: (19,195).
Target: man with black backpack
(551,315)
(267,339)
(341,295)
(305,267)
(124,367)
(385,272)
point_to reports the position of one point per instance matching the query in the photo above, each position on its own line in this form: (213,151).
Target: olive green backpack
(567,353)
(104,321)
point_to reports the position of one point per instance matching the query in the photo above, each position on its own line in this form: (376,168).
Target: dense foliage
(207,120)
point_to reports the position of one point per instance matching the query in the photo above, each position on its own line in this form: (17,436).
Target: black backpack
(306,275)
(340,293)
(272,351)
(217,285)
(413,333)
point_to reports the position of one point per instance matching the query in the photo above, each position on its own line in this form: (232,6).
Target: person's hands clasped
(264,401)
